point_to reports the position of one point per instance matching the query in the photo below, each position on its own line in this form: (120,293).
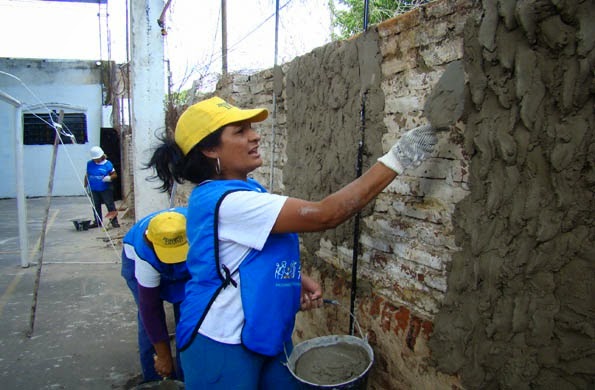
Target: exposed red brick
(387,314)
(414,328)
(379,260)
(338,287)
(402,317)
(428,328)
(375,306)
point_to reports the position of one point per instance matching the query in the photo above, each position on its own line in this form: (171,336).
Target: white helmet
(96,152)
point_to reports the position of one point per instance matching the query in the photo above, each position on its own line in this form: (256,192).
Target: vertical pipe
(223,38)
(20,182)
(274,124)
(366,13)
(356,224)
(359,168)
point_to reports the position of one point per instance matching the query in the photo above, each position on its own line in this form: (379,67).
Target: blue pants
(145,346)
(212,365)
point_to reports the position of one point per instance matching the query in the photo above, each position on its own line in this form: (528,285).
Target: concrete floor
(84,333)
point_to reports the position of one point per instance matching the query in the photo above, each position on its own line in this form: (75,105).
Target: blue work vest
(173,276)
(270,278)
(96,173)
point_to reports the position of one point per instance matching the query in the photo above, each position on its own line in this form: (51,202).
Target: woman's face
(238,152)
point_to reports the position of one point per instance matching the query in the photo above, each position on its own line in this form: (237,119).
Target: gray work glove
(411,149)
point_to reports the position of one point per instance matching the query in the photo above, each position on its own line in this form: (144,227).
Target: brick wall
(423,257)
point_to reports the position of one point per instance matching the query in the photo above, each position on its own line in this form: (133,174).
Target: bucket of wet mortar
(332,362)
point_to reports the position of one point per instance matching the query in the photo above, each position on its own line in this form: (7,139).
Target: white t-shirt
(145,274)
(245,222)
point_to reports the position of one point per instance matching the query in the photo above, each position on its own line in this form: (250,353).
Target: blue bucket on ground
(338,370)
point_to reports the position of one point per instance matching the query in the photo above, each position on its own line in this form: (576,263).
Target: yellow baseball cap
(207,116)
(167,233)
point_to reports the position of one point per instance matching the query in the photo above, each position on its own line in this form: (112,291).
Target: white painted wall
(73,86)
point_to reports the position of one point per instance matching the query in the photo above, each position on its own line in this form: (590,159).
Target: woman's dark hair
(170,164)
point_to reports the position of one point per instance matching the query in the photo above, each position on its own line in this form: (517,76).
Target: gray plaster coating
(85,324)
(324,122)
(519,310)
(445,105)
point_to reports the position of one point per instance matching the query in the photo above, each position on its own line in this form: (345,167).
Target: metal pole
(366,13)
(274,124)
(359,168)
(223,38)
(20,178)
(21,199)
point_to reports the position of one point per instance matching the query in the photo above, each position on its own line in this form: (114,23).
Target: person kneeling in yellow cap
(154,267)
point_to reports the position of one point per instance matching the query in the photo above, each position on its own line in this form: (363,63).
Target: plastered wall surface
(473,269)
(519,308)
(326,92)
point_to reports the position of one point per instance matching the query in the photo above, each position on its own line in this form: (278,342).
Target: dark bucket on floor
(81,224)
(332,362)
(166,384)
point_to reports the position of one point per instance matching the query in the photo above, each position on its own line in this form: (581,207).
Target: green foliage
(348,17)
(178,98)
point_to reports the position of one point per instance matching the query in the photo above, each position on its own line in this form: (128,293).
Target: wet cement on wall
(519,310)
(446,103)
(325,90)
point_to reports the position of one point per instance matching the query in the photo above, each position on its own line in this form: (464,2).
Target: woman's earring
(218,167)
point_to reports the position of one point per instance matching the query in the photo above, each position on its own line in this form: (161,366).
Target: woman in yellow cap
(154,267)
(246,284)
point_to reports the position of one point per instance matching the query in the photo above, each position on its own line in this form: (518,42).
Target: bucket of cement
(166,384)
(332,362)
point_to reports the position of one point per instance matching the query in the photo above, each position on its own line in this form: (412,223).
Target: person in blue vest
(99,177)
(154,267)
(246,284)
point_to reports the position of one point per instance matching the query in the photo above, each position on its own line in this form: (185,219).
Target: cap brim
(234,115)
(256,114)
(174,255)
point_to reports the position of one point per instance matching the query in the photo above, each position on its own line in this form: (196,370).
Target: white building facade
(44,88)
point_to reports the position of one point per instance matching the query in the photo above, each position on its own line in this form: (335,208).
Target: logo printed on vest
(287,270)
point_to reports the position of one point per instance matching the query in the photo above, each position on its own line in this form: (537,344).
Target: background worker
(99,177)
(154,267)
(239,312)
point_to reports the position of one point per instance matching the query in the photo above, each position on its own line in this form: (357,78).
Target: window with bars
(38,130)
